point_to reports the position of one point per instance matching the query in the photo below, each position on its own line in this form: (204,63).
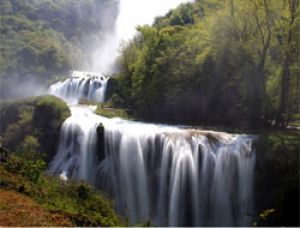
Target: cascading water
(166,175)
(162,174)
(82,85)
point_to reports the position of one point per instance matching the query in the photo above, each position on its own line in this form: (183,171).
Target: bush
(83,191)
(277,179)
(39,117)
(30,169)
(116,101)
(49,112)
(112,112)
(77,201)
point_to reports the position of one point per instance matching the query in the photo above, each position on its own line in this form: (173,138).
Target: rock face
(100,150)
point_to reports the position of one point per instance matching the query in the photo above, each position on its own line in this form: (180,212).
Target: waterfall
(82,85)
(167,175)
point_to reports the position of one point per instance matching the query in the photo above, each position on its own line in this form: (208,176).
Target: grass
(295,120)
(106,110)
(78,203)
(84,101)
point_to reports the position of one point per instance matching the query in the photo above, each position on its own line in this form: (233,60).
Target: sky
(139,12)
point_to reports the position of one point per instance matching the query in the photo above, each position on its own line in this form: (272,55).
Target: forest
(216,62)
(42,40)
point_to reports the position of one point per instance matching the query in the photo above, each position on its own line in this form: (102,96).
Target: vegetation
(43,39)
(108,111)
(17,209)
(277,179)
(32,123)
(231,63)
(75,203)
(216,62)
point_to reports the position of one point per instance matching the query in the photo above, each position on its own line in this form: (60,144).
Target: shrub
(83,191)
(116,101)
(30,169)
(39,117)
(277,179)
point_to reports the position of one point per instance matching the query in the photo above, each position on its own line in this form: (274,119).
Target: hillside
(43,39)
(29,197)
(19,210)
(216,62)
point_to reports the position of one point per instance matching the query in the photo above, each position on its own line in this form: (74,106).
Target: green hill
(43,39)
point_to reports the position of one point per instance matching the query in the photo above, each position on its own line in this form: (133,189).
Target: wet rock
(100,149)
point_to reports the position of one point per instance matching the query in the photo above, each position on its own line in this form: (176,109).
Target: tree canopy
(226,62)
(44,39)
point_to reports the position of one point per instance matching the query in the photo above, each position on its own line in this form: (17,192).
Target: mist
(15,88)
(103,43)
(121,27)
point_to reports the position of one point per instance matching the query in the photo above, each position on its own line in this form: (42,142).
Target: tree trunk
(283,113)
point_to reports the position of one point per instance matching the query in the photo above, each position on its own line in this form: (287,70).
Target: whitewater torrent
(81,86)
(167,175)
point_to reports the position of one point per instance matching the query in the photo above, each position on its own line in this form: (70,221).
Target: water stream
(167,175)
(163,174)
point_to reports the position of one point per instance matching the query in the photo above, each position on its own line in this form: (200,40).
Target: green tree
(289,36)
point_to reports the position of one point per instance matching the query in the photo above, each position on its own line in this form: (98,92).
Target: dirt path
(19,210)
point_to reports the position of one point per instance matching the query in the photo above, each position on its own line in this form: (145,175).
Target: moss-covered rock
(39,117)
(116,101)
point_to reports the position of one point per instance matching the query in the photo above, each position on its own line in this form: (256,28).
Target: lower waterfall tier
(166,175)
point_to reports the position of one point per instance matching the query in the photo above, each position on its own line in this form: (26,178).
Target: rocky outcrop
(40,117)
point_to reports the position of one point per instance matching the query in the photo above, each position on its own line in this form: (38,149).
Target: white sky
(139,12)
(131,14)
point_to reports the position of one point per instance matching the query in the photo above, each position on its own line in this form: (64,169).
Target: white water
(167,175)
(163,174)
(106,46)
(82,85)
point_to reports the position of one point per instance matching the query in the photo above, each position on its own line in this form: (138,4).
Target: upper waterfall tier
(167,175)
(82,85)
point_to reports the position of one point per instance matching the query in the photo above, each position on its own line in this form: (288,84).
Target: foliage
(44,39)
(49,112)
(84,101)
(215,62)
(116,101)
(20,210)
(30,169)
(295,120)
(277,179)
(108,111)
(82,204)
(32,124)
